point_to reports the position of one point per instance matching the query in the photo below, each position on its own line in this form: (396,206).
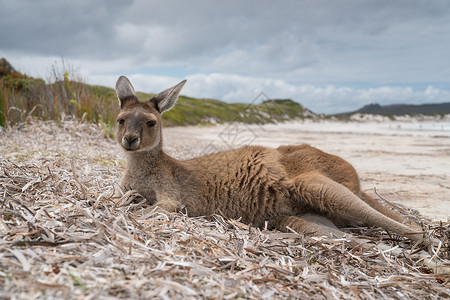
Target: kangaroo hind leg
(329,198)
(381,208)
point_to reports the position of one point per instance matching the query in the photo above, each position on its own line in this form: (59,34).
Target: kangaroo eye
(120,121)
(151,123)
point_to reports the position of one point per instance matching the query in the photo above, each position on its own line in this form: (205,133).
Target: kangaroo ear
(166,99)
(125,91)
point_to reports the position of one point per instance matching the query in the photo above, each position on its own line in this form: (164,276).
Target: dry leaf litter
(64,233)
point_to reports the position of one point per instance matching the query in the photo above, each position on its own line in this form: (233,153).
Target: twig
(83,190)
(402,210)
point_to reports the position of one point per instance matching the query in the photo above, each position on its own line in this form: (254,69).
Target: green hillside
(404,109)
(23,97)
(191,111)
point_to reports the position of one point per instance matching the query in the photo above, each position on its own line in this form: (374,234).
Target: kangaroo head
(139,123)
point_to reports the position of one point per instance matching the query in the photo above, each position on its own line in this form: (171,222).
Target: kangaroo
(296,187)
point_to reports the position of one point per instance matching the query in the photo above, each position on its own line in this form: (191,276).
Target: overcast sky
(331,56)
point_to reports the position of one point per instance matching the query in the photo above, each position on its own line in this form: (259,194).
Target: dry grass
(23,97)
(63,235)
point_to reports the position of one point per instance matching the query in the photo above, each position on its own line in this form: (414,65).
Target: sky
(331,56)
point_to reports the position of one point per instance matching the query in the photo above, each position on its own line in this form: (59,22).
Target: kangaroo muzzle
(131,142)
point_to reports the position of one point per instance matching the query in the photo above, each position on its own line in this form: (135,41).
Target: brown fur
(299,187)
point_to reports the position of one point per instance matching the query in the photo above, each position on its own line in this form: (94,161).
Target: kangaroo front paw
(168,205)
(162,206)
(125,187)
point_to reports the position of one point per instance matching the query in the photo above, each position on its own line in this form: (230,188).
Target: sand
(406,162)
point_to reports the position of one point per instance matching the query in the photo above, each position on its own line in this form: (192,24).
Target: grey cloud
(73,28)
(319,42)
(178,32)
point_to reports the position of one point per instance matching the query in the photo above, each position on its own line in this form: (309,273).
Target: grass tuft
(66,94)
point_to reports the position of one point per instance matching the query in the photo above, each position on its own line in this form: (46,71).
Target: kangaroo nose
(131,139)
(130,142)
